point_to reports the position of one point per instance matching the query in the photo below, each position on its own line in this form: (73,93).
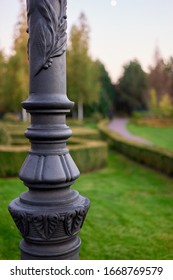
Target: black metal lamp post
(50,214)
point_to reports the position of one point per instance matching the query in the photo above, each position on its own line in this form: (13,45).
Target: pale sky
(120,33)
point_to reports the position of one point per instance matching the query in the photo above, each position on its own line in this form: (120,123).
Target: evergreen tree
(158,76)
(132,89)
(104,106)
(169,71)
(82,73)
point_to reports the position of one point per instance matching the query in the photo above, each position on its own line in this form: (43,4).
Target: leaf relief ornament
(47,27)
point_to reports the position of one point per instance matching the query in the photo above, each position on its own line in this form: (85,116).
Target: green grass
(130,217)
(161,137)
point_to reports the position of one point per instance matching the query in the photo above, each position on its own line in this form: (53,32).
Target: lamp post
(50,214)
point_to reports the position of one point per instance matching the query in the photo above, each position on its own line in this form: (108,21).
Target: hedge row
(87,156)
(90,156)
(18,137)
(159,159)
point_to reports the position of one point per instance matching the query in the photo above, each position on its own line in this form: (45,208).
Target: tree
(82,74)
(132,89)
(16,86)
(159,79)
(153,101)
(165,106)
(169,71)
(2,81)
(104,106)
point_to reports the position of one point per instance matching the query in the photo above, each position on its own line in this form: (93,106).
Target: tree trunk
(80,111)
(25,115)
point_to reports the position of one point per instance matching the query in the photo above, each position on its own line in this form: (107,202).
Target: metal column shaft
(50,214)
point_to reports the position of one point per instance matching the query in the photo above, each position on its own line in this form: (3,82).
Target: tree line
(88,82)
(138,91)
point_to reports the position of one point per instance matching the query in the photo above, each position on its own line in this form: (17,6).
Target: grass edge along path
(130,216)
(159,136)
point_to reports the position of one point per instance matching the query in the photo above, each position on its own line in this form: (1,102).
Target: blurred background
(120,76)
(119,57)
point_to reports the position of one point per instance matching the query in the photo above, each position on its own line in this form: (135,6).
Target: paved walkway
(119,125)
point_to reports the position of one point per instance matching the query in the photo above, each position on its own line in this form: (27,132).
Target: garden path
(119,125)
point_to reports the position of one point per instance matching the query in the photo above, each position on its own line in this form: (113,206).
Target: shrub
(85,133)
(88,156)
(11,117)
(165,105)
(11,162)
(4,136)
(158,159)
(88,152)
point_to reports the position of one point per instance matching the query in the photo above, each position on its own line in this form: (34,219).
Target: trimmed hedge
(85,133)
(159,159)
(4,136)
(17,132)
(87,156)
(90,156)
(11,162)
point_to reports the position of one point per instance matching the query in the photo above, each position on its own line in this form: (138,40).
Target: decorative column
(50,214)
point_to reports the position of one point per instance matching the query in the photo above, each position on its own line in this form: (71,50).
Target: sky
(129,30)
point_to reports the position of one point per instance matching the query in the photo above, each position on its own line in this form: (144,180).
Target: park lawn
(159,136)
(130,217)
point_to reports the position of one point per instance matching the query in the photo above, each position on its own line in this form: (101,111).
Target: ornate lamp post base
(50,215)
(49,228)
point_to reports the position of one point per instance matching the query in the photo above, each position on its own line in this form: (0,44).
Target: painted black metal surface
(50,214)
